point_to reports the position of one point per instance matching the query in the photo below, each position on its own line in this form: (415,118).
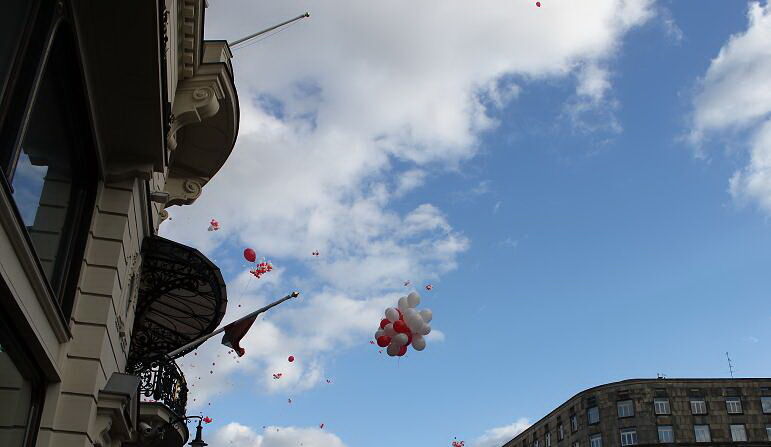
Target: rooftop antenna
(730,365)
(267,30)
(661,376)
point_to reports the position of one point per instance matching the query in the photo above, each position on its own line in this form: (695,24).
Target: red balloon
(291,358)
(401,316)
(402,351)
(250,255)
(383,341)
(538,4)
(384,322)
(401,326)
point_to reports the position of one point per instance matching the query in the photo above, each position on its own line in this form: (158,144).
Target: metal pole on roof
(266,30)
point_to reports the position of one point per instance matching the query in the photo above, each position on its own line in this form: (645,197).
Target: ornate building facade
(110,112)
(691,412)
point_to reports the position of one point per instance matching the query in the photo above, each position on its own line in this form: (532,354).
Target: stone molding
(194,101)
(183,191)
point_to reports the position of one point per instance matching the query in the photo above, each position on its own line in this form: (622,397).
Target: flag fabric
(235,331)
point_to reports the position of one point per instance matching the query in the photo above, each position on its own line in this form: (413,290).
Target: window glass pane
(661,406)
(768,432)
(595,441)
(625,408)
(16,398)
(733,405)
(574,423)
(594,415)
(738,433)
(766,403)
(666,434)
(12,22)
(702,433)
(628,436)
(51,174)
(698,407)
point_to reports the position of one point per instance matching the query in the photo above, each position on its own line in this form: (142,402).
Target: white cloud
(735,96)
(238,435)
(343,114)
(496,437)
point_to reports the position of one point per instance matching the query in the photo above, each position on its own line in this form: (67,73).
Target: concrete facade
(658,411)
(162,112)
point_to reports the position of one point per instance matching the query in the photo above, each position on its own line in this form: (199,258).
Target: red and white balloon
(404,326)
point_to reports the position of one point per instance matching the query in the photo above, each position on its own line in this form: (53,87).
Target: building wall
(102,317)
(645,421)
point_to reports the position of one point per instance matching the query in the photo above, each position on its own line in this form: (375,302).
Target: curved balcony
(166,384)
(182,297)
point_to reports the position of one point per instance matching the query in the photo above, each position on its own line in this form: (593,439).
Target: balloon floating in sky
(250,255)
(315,253)
(404,326)
(277,375)
(208,420)
(458,443)
(407,283)
(291,358)
(214,225)
(429,287)
(538,4)
(262,268)
(321,426)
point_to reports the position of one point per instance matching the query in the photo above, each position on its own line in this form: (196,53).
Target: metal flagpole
(200,340)
(251,36)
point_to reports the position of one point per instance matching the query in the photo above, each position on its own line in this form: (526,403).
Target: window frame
(671,431)
(695,433)
(574,423)
(743,431)
(664,401)
(547,439)
(23,359)
(51,27)
(768,431)
(630,431)
(560,432)
(703,401)
(589,415)
(734,400)
(627,403)
(597,437)
(763,406)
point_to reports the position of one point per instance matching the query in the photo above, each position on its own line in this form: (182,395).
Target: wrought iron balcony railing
(165,383)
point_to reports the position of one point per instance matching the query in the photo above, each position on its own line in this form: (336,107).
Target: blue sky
(576,215)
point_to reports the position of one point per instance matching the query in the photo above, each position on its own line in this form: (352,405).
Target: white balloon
(389,330)
(414,323)
(403,304)
(379,333)
(392,314)
(413,299)
(425,330)
(400,339)
(392,349)
(427,315)
(418,342)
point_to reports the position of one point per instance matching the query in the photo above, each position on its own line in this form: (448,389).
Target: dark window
(560,432)
(625,408)
(628,436)
(13,21)
(765,402)
(733,405)
(698,406)
(666,434)
(738,433)
(661,405)
(573,423)
(52,171)
(701,433)
(21,392)
(593,415)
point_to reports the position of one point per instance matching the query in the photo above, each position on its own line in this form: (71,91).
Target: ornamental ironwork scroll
(164,383)
(182,297)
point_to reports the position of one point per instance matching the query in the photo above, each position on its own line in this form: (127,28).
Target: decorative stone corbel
(183,191)
(194,101)
(116,411)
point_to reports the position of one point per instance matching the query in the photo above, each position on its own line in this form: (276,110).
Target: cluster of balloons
(458,443)
(404,326)
(208,420)
(214,225)
(262,268)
